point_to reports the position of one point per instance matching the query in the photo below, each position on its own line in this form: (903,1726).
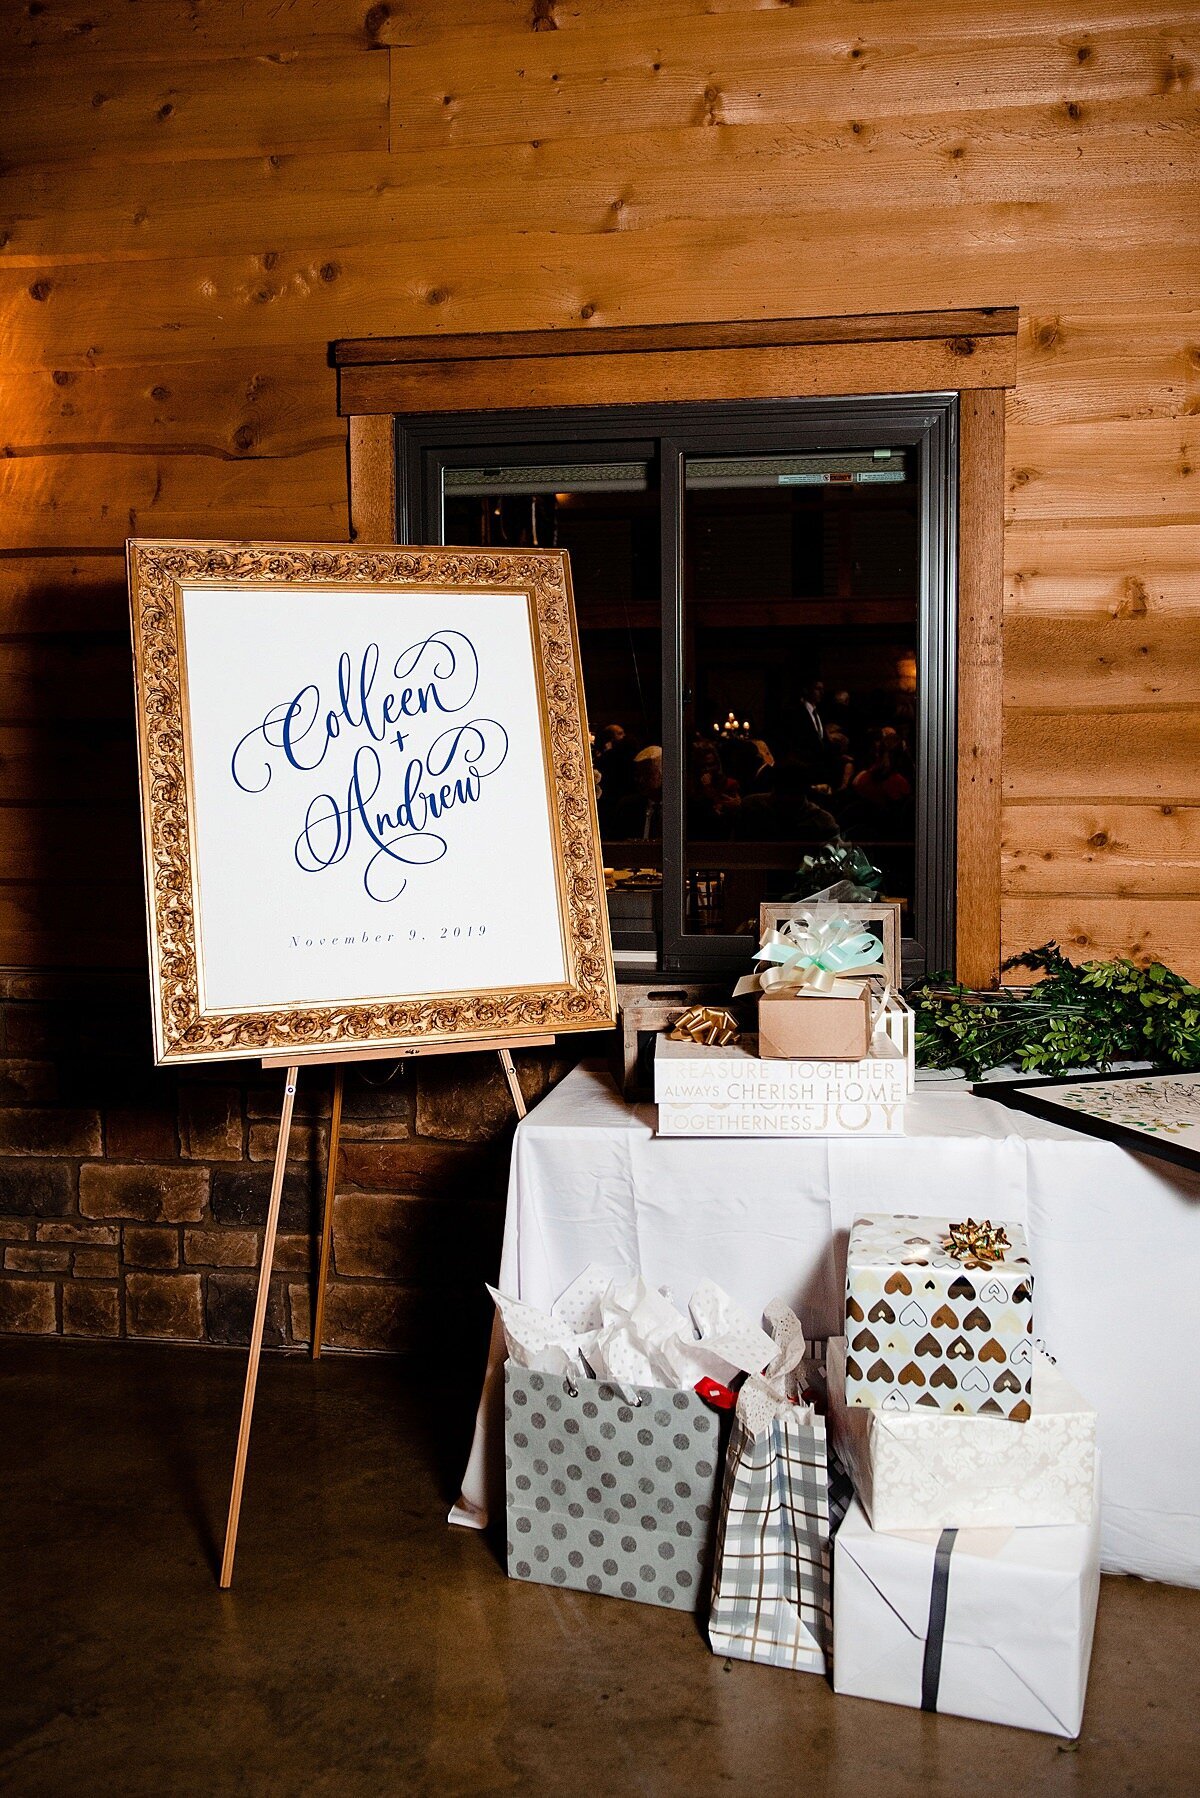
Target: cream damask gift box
(928,1331)
(925,1470)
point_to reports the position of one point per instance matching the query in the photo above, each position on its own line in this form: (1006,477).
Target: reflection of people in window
(885,780)
(811,736)
(713,795)
(613,758)
(638,816)
(843,710)
(840,769)
(810,727)
(764,770)
(786,814)
(740,762)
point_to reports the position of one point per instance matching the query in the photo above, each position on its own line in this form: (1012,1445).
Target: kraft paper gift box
(925,1331)
(923,1470)
(609,1488)
(994,1624)
(812,1001)
(833,1026)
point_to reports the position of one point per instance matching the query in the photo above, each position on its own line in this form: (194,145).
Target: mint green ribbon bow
(809,956)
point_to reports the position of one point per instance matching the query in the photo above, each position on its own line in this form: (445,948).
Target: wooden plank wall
(196,197)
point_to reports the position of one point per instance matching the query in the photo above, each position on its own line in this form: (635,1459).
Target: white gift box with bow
(812,1000)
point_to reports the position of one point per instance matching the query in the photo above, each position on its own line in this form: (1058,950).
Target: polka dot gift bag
(609,1488)
(612,1459)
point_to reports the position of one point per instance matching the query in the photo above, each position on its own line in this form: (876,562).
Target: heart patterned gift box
(939,1317)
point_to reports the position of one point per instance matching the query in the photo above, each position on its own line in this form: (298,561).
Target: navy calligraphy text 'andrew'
(401,780)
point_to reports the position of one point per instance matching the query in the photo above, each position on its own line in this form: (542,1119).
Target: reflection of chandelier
(731,727)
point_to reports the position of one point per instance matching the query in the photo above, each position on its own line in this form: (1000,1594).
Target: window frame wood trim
(381,377)
(949,352)
(477,346)
(981,487)
(372,479)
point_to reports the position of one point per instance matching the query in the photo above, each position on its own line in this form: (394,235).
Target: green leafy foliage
(1078,1015)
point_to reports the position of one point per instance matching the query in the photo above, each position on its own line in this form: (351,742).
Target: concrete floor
(367,1648)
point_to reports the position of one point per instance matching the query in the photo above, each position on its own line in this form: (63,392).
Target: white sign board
(382,778)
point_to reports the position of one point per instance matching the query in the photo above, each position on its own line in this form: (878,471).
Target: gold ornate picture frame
(368,814)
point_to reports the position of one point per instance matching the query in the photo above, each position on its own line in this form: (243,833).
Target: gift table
(1115,1239)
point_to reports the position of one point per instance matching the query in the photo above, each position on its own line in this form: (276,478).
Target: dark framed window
(766,600)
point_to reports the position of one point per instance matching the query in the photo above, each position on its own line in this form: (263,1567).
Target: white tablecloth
(1115,1239)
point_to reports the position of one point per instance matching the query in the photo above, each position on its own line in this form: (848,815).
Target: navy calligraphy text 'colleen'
(401,781)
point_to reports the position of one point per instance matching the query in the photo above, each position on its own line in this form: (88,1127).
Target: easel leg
(514,1085)
(335,1138)
(256,1331)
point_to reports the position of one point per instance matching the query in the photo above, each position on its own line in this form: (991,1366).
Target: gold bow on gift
(983,1243)
(705,1024)
(810,956)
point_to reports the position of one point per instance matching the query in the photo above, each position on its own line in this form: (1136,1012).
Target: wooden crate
(645,1012)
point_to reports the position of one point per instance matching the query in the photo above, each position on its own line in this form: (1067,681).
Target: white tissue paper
(774,1392)
(727,1332)
(640,1339)
(579,1304)
(539,1339)
(627,1332)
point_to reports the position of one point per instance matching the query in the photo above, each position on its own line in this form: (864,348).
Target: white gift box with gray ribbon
(993,1624)
(924,1470)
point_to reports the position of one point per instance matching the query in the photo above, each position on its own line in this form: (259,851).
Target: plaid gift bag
(782,1502)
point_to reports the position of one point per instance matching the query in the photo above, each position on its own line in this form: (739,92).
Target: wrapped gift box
(895,1017)
(928,1332)
(923,1470)
(994,1624)
(833,1026)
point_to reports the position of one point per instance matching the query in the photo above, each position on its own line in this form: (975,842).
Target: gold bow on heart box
(709,1025)
(983,1243)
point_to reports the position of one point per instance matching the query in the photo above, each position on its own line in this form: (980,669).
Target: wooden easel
(292,1065)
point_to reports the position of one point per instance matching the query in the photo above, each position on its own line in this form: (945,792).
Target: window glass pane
(606,515)
(801,582)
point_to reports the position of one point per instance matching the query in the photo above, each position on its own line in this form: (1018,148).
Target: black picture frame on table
(1022,1095)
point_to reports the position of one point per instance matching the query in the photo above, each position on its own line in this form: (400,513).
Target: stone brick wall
(132,1199)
